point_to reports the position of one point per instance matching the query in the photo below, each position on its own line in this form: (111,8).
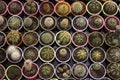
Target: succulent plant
(63,52)
(47,53)
(63,38)
(64,23)
(1,20)
(96,66)
(28,22)
(28,65)
(46,7)
(2,7)
(49,22)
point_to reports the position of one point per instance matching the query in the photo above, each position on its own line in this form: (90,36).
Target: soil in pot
(97,71)
(30,7)
(78,8)
(80,54)
(96,22)
(97,54)
(46,53)
(63,71)
(63,54)
(80,23)
(62,8)
(2,55)
(2,7)
(2,72)
(2,39)
(113,71)
(3,23)
(110,8)
(47,38)
(111,23)
(31,53)
(31,23)
(94,7)
(96,39)
(46,8)
(64,23)
(47,22)
(80,71)
(14,38)
(63,38)
(30,38)
(79,39)
(13,72)
(111,39)
(15,23)
(113,54)
(46,71)
(15,7)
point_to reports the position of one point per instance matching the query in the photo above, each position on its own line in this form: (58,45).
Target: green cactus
(47,53)
(63,52)
(77,7)
(64,23)
(1,20)
(14,22)
(80,22)
(46,70)
(63,38)
(28,22)
(97,66)
(46,38)
(81,54)
(2,7)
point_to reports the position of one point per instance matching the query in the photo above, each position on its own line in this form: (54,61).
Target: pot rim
(4,38)
(84,43)
(41,57)
(80,16)
(6,10)
(12,1)
(4,71)
(60,44)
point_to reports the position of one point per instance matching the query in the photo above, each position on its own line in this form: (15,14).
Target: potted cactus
(78,8)
(30,70)
(80,54)
(96,22)
(31,53)
(46,54)
(113,71)
(3,7)
(63,38)
(2,39)
(80,23)
(47,38)
(110,8)
(30,7)
(2,55)
(63,71)
(14,54)
(97,54)
(79,39)
(113,54)
(31,23)
(94,7)
(111,22)
(46,71)
(30,38)
(97,71)
(14,38)
(64,23)
(15,23)
(15,7)
(13,72)
(96,39)
(79,71)
(46,8)
(3,23)
(47,22)
(62,8)
(112,39)
(63,54)
(2,72)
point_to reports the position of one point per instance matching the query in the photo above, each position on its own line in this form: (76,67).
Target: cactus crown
(96,54)
(64,23)
(80,22)
(46,70)
(63,52)
(81,54)
(77,7)
(28,64)
(28,22)
(1,20)
(49,22)
(96,66)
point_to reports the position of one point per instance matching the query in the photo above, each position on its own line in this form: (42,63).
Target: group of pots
(61,8)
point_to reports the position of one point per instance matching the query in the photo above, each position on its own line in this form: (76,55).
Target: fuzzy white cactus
(28,65)
(49,22)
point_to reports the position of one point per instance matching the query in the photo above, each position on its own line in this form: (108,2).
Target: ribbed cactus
(28,22)
(80,22)
(1,20)
(46,70)
(28,65)
(77,7)
(96,55)
(81,54)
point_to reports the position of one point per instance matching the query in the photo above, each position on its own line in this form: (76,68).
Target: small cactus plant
(49,22)
(46,7)
(28,65)
(63,52)
(1,20)
(64,23)
(2,7)
(96,66)
(28,22)
(46,54)
(63,38)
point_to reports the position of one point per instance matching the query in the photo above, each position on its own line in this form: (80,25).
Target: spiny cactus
(28,65)
(64,23)
(77,7)
(81,54)
(46,70)
(46,7)
(97,66)
(1,20)
(28,22)
(96,55)
(2,7)
(80,22)
(49,22)
(63,52)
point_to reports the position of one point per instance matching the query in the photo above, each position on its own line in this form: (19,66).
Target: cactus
(97,66)
(47,53)
(81,54)
(49,22)
(46,7)
(46,70)
(64,23)
(14,22)
(79,71)
(63,52)
(1,20)
(46,38)
(2,7)
(77,8)
(14,37)
(80,22)
(63,38)
(28,22)
(28,65)
(96,55)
